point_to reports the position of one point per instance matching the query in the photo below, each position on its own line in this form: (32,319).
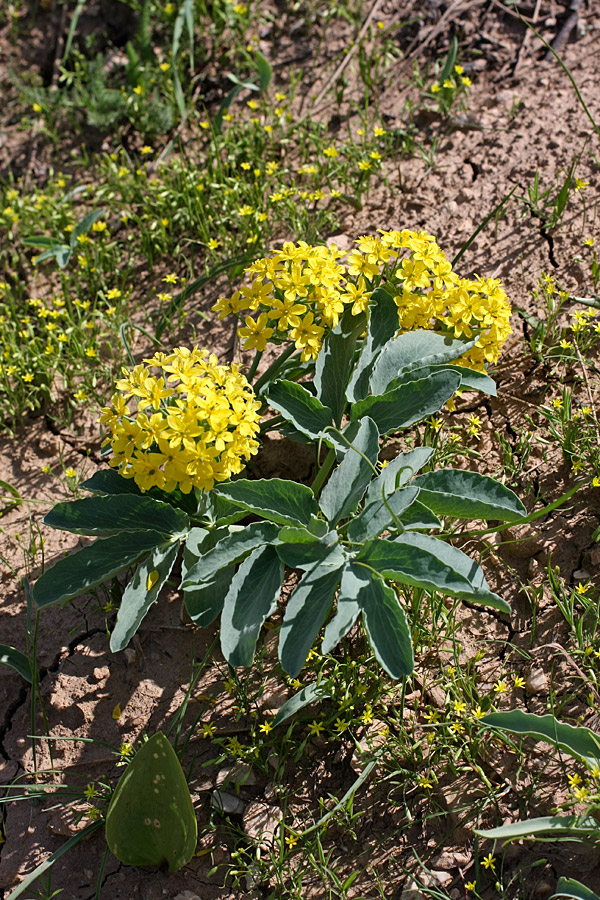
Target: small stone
(413,891)
(101,673)
(130,656)
(262,822)
(444,879)
(273,760)
(450,860)
(89,874)
(537,680)
(543,889)
(227,803)
(186,895)
(581,574)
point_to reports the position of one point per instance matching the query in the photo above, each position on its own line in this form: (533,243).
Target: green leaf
(335,362)
(408,403)
(569,887)
(306,611)
(92,565)
(251,599)
(470,379)
(479,591)
(84,226)
(291,534)
(105,516)
(281,501)
(141,592)
(557,825)
(419,517)
(398,472)
(151,819)
(229,551)
(204,603)
(108,481)
(383,325)
(17,661)
(299,407)
(413,350)
(309,694)
(385,623)
(468,495)
(580,742)
(379,515)
(305,555)
(412,565)
(346,613)
(348,483)
(264,71)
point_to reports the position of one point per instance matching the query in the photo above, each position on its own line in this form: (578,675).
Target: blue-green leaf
(151,819)
(413,350)
(203,603)
(230,550)
(92,565)
(409,403)
(335,361)
(468,495)
(105,516)
(470,379)
(299,407)
(306,611)
(385,623)
(398,472)
(381,514)
(383,325)
(580,742)
(108,481)
(309,694)
(17,661)
(348,483)
(569,887)
(251,599)
(558,826)
(281,501)
(303,555)
(479,591)
(412,565)
(419,517)
(141,592)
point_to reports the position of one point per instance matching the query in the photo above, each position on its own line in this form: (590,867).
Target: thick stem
(254,366)
(273,368)
(323,472)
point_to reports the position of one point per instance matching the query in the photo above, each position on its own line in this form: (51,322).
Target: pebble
(537,680)
(413,891)
(239,774)
(227,803)
(262,822)
(444,879)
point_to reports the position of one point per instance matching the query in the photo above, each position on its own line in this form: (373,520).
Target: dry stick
(334,77)
(589,392)
(565,31)
(526,38)
(568,656)
(459,6)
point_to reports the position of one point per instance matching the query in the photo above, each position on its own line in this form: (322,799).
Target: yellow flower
(291,840)
(171,278)
(316,727)
(331,152)
(138,89)
(266,727)
(435,88)
(70,472)
(489,862)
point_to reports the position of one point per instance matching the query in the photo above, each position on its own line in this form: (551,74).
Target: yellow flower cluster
(194,422)
(301,290)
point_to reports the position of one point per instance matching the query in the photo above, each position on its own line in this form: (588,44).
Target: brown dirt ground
(486,153)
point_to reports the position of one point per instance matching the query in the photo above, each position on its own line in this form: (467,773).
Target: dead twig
(568,26)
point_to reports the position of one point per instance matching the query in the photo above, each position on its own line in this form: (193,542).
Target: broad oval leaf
(309,694)
(141,592)
(382,326)
(252,598)
(281,501)
(92,565)
(230,550)
(569,887)
(413,565)
(468,495)
(105,516)
(348,482)
(379,515)
(409,403)
(108,481)
(150,819)
(385,623)
(398,472)
(413,350)
(17,661)
(299,407)
(305,613)
(303,555)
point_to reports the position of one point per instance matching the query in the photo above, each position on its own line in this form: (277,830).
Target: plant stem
(273,368)
(254,366)
(323,472)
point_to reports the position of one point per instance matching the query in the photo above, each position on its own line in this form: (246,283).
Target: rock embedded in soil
(262,823)
(227,803)
(537,680)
